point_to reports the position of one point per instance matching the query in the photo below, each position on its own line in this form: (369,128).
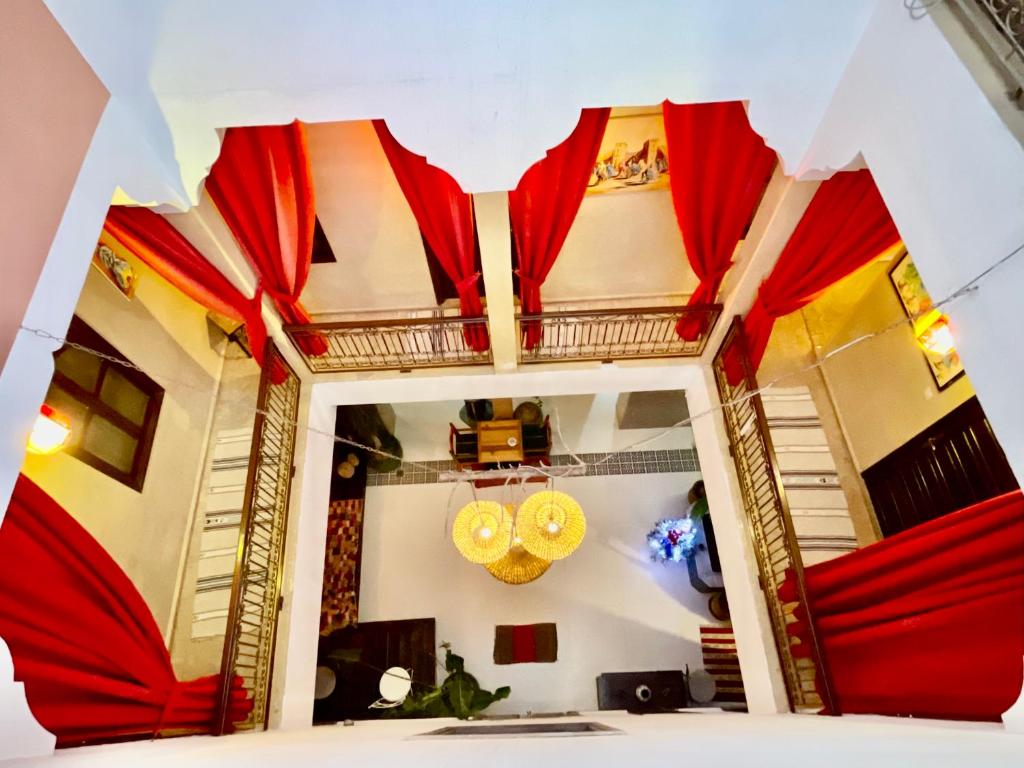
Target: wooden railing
(256,587)
(381,345)
(769,521)
(614,334)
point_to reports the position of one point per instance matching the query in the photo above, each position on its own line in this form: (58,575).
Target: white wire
(969,287)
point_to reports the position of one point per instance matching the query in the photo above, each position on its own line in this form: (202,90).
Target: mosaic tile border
(630,463)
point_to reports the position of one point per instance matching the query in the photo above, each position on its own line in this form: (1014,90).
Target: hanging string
(548,471)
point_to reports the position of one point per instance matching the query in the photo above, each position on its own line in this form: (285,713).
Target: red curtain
(845,226)
(719,171)
(445,216)
(929,622)
(543,207)
(263,187)
(166,251)
(82,638)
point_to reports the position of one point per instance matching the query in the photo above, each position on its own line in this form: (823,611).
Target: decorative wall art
(116,269)
(945,366)
(633,152)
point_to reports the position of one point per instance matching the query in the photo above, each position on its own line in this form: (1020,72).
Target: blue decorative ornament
(673,539)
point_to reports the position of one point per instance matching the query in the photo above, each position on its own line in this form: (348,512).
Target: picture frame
(116,269)
(633,154)
(916,302)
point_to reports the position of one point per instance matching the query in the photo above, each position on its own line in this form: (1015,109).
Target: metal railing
(615,334)
(256,587)
(381,345)
(768,517)
(999,26)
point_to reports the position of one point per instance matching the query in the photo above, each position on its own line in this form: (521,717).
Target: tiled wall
(630,463)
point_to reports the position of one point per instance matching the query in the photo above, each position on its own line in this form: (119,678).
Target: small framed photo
(116,269)
(916,302)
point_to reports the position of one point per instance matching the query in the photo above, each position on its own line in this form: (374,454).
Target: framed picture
(633,154)
(916,302)
(116,269)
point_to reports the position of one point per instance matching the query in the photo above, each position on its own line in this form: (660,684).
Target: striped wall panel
(221,512)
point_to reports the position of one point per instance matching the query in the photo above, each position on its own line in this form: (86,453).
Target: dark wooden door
(954,463)
(360,654)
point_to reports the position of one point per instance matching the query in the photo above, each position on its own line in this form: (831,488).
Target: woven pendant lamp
(518,566)
(482,532)
(551,525)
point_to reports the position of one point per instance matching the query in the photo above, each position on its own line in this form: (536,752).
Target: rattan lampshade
(482,532)
(551,525)
(518,566)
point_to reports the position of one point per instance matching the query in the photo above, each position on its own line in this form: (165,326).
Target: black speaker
(642,692)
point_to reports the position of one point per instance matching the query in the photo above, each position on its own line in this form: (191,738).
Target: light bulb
(554,527)
(485,532)
(50,433)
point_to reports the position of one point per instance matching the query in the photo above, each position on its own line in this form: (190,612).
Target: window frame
(79,332)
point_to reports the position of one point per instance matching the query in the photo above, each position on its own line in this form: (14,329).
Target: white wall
(166,335)
(614,609)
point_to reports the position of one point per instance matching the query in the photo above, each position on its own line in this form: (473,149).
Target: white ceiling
(481,89)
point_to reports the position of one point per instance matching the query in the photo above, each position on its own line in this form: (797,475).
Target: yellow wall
(882,387)
(166,335)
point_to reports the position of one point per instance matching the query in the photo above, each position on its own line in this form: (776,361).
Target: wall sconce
(934,334)
(50,433)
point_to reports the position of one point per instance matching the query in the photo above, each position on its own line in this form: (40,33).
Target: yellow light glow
(50,433)
(934,334)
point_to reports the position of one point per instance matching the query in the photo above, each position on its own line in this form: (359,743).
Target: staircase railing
(768,518)
(259,563)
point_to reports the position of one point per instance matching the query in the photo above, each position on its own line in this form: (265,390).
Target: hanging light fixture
(551,525)
(518,566)
(50,433)
(933,333)
(482,532)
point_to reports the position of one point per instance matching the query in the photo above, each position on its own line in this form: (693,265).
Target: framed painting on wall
(633,152)
(916,303)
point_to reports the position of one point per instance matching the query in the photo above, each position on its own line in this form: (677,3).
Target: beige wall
(236,399)
(622,244)
(52,102)
(165,334)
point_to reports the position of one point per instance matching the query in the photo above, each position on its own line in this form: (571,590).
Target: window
(113,409)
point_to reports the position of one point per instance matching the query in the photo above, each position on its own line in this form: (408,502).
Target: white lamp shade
(395,684)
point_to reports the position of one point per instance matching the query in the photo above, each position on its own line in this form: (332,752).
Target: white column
(496,262)
(298,631)
(755,644)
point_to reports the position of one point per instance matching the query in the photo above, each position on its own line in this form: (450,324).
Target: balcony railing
(615,334)
(382,345)
(1000,26)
